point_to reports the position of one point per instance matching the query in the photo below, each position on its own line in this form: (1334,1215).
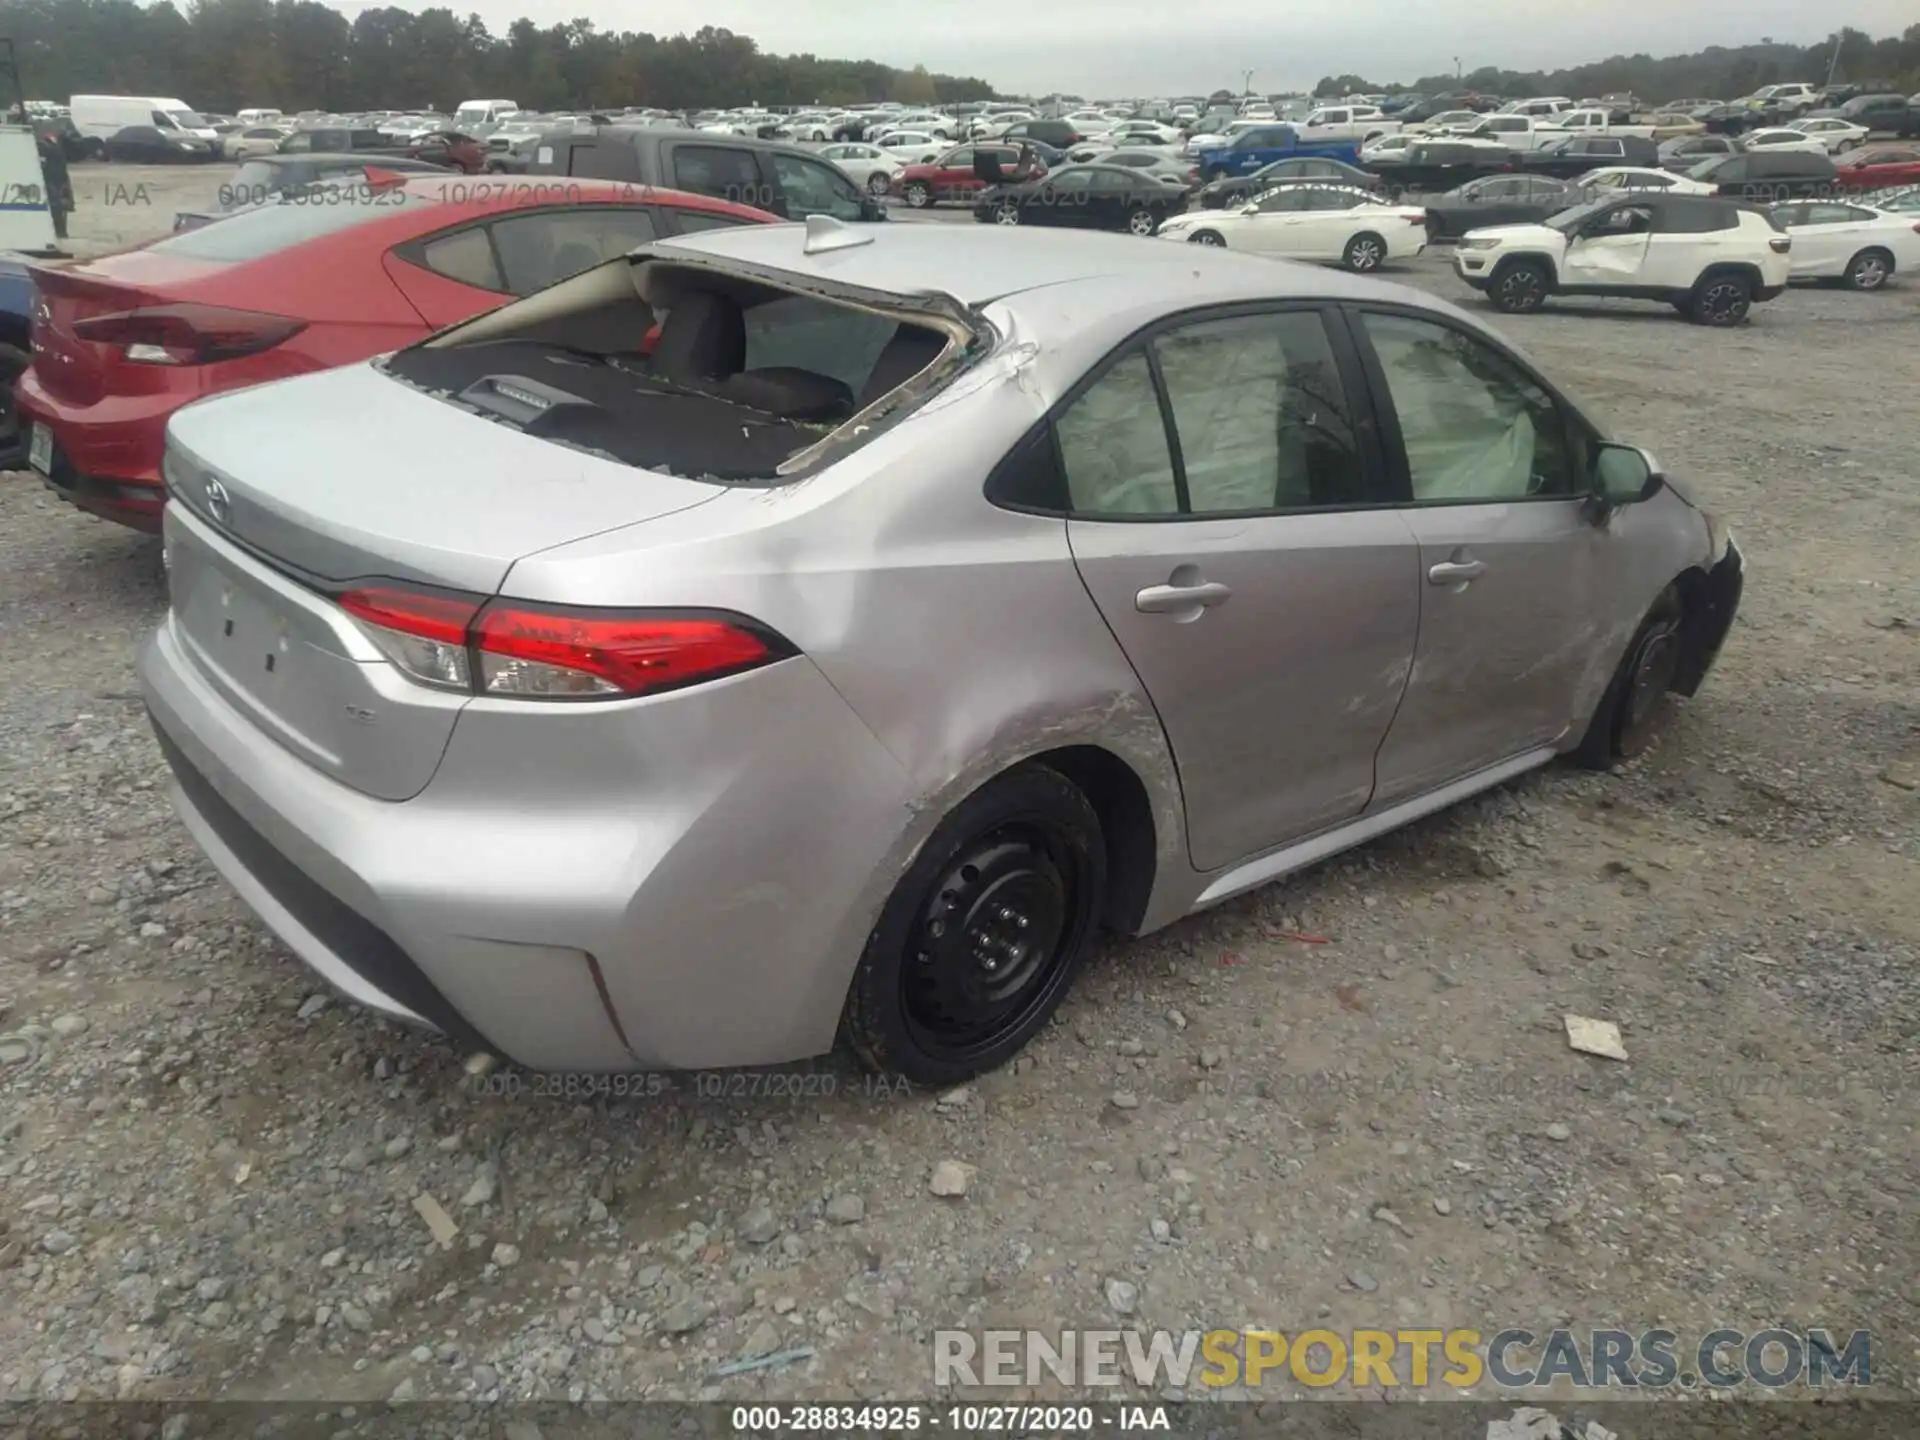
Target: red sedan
(950,179)
(318,279)
(1879,168)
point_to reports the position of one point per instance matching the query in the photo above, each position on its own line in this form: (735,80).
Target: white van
(105,116)
(257,117)
(483,112)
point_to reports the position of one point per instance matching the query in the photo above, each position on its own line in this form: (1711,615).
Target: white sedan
(1781,138)
(913,147)
(1862,246)
(868,166)
(1635,177)
(1837,135)
(1310,222)
(253,141)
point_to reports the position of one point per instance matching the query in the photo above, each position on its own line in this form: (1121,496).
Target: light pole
(1246,82)
(1456,67)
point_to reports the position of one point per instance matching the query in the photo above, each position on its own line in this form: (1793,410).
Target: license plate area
(40,449)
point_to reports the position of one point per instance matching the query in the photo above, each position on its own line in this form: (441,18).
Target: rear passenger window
(1113,446)
(545,248)
(465,256)
(1260,415)
(716,170)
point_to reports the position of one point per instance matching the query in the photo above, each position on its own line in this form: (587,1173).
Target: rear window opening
(691,373)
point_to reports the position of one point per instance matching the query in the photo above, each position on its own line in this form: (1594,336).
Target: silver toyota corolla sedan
(799,632)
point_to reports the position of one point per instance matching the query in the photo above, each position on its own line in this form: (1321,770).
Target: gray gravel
(209,1173)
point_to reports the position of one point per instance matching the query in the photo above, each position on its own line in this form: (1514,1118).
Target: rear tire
(1635,700)
(1520,287)
(1869,270)
(981,938)
(1365,253)
(1208,237)
(1007,212)
(878,184)
(1142,223)
(1720,301)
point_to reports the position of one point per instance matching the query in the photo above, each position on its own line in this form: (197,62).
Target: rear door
(1825,237)
(1226,516)
(1493,474)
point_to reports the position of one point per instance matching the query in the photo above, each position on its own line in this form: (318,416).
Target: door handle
(1165,599)
(1456,572)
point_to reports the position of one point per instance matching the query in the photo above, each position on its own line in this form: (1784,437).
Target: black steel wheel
(1520,287)
(1630,711)
(981,938)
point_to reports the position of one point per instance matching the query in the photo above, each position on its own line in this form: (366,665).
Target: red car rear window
(287,220)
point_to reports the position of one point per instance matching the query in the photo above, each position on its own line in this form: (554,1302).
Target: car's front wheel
(1007,212)
(1142,222)
(1208,237)
(1520,287)
(981,938)
(919,195)
(1630,710)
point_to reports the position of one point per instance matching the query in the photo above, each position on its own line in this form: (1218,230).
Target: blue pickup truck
(1260,146)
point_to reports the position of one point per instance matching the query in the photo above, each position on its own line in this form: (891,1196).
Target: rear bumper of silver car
(592,907)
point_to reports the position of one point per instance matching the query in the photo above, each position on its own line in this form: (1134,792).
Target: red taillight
(1417,217)
(188,334)
(516,650)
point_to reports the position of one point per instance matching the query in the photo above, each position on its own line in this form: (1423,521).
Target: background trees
(300,54)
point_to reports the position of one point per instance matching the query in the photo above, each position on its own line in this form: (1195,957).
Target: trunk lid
(351,474)
(77,370)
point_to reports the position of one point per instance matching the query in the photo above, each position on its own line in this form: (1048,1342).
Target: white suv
(1709,258)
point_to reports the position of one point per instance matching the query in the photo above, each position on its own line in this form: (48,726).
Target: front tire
(1364,254)
(878,184)
(918,195)
(981,938)
(1142,223)
(1520,287)
(1007,212)
(1869,270)
(1635,701)
(1720,301)
(1208,237)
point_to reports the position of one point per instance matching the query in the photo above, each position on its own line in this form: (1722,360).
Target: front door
(1611,249)
(1494,478)
(1239,553)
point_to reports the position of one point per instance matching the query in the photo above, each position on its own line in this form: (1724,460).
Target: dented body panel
(692,877)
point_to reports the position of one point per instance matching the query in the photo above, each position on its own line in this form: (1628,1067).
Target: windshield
(1705,169)
(1568,221)
(187,119)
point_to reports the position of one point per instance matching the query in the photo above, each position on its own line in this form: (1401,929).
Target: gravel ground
(209,1171)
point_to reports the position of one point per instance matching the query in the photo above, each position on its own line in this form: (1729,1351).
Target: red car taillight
(519,650)
(188,334)
(1418,217)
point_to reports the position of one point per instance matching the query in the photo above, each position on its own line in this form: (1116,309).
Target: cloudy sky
(1164,46)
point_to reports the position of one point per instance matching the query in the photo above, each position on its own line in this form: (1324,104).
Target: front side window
(1276,202)
(725,173)
(1473,426)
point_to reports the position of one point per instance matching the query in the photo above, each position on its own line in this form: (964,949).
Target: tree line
(221,55)
(1718,72)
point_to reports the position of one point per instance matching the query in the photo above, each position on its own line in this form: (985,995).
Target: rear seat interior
(703,346)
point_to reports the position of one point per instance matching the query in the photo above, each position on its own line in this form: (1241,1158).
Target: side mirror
(1624,475)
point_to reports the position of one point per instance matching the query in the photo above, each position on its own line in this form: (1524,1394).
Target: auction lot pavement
(1342,1102)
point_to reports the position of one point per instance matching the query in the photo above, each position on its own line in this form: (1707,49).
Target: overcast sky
(1108,47)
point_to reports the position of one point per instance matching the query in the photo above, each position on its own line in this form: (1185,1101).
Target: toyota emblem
(217,501)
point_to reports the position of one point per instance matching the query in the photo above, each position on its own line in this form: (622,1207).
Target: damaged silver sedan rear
(798,633)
